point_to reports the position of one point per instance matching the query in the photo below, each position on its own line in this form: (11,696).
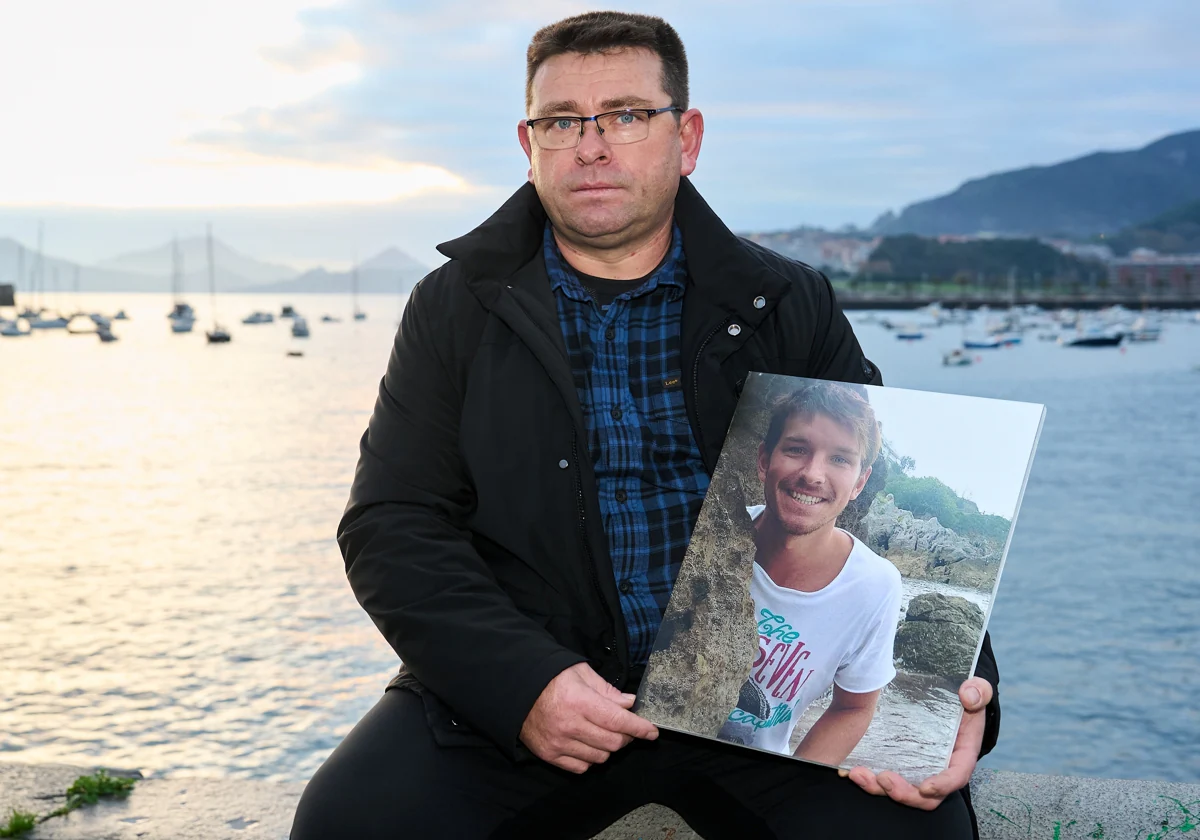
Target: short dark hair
(838,401)
(602,32)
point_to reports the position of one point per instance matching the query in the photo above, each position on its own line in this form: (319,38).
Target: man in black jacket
(554,404)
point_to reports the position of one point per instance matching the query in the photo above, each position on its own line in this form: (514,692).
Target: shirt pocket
(667,420)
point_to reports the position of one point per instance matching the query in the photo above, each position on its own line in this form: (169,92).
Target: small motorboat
(299,327)
(259,317)
(359,315)
(956,358)
(295,354)
(287,312)
(182,318)
(1091,339)
(55,323)
(989,343)
(329,319)
(909,332)
(12,329)
(1143,330)
(218,335)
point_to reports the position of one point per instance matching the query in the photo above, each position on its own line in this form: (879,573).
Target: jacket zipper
(587,548)
(696,381)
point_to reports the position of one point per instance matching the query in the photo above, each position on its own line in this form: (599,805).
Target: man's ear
(691,135)
(523,139)
(862,482)
(764,461)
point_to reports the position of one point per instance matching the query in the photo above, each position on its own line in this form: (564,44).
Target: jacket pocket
(447,730)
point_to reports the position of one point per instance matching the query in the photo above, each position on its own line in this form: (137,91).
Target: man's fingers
(571,765)
(616,719)
(588,733)
(941,785)
(901,790)
(866,780)
(585,752)
(975,694)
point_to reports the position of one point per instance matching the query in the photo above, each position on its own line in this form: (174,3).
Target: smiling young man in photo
(553,408)
(826,605)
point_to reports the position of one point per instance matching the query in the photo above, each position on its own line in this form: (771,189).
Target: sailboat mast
(176,271)
(212,278)
(39,278)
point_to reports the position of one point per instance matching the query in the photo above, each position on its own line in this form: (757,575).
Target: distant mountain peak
(391,259)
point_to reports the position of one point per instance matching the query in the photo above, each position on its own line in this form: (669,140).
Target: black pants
(390,779)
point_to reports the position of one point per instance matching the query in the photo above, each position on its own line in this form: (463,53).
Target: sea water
(172,598)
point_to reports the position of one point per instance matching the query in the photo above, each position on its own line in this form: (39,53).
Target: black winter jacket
(472,536)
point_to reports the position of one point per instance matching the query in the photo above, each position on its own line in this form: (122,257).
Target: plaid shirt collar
(671,274)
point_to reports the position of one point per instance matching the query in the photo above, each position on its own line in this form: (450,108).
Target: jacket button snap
(734,329)
(760,302)
(562,465)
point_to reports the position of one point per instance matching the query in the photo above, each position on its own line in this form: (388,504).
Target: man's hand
(580,720)
(975,694)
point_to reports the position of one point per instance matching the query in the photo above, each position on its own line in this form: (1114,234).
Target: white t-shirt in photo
(807,641)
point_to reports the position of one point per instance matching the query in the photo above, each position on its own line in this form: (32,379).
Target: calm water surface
(171,597)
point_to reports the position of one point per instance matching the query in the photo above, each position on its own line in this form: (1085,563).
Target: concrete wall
(1009,805)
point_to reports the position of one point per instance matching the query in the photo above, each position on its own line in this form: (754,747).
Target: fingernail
(973,695)
(843,773)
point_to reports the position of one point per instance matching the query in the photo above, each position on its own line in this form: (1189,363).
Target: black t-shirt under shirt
(605,291)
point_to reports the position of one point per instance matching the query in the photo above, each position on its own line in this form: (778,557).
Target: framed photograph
(839,579)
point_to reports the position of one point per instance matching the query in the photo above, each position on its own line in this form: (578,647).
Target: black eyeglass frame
(583,121)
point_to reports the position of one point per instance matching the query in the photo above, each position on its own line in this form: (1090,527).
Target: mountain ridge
(1097,193)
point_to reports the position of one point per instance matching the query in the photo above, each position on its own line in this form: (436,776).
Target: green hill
(1175,232)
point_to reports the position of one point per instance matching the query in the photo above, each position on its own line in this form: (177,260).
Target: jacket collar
(724,269)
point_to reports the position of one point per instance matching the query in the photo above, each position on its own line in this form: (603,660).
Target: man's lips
(594,187)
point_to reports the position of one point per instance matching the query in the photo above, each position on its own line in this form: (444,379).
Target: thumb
(975,694)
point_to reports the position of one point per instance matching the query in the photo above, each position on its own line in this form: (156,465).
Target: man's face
(599,194)
(814,471)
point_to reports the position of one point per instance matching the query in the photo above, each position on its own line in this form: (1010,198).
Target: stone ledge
(1009,805)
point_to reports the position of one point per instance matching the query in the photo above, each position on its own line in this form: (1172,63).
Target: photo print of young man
(837,585)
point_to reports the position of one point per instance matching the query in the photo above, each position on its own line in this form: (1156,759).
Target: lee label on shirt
(673,382)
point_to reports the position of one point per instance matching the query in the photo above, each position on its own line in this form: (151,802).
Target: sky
(978,447)
(308,131)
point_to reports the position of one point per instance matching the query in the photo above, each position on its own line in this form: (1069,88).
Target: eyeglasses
(629,125)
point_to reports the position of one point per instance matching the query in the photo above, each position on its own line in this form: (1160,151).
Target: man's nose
(812,472)
(592,145)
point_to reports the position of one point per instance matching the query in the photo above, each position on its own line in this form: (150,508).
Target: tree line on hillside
(912,258)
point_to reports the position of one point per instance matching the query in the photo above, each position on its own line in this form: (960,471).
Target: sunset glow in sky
(392,122)
(107,100)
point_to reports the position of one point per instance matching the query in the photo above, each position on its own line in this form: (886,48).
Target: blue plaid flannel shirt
(629,377)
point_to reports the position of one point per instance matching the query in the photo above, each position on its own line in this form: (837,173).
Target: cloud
(820,112)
